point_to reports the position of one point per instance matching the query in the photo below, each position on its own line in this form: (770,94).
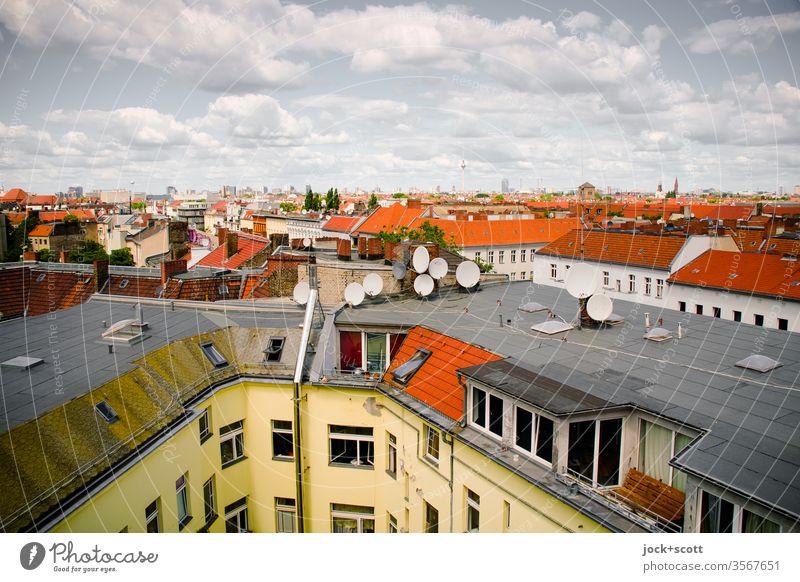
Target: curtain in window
(678,478)
(756,524)
(349,350)
(655,451)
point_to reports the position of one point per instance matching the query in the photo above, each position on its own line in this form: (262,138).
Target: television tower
(463,167)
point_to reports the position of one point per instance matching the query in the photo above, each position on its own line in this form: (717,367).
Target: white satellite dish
(423,285)
(399,270)
(438,268)
(599,307)
(300,293)
(581,281)
(306,242)
(354,294)
(373,284)
(421,259)
(468,274)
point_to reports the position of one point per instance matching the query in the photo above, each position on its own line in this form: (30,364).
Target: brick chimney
(101,276)
(374,249)
(169,268)
(414,203)
(222,234)
(63,257)
(231,245)
(343,248)
(362,247)
(29,256)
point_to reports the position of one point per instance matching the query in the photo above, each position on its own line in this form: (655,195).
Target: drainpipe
(297,399)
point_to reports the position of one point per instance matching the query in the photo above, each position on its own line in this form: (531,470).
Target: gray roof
(750,419)
(70,340)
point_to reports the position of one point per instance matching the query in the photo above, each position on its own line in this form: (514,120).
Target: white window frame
(391,454)
(523,255)
(513,256)
(606,279)
(364,349)
(285,511)
(236,435)
(659,288)
(478,255)
(512,276)
(553,271)
(432,437)
(361,443)
(491,257)
(239,514)
(596,452)
(391,523)
(486,411)
(205,418)
(648,285)
(473,505)
(182,494)
(209,492)
(358,517)
(534,434)
(631,283)
(501,257)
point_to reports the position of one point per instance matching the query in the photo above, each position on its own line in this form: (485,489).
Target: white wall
(520,269)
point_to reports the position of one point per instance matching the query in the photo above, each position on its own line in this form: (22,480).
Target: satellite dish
(437,268)
(468,274)
(306,242)
(373,284)
(599,307)
(581,281)
(300,293)
(423,285)
(354,294)
(421,259)
(399,270)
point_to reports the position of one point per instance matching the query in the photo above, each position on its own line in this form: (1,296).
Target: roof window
(404,372)
(213,355)
(124,283)
(105,410)
(658,334)
(759,363)
(274,349)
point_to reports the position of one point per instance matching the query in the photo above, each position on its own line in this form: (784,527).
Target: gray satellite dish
(399,270)
(354,294)
(438,268)
(599,307)
(468,274)
(581,281)
(421,259)
(423,285)
(306,242)
(300,293)
(373,284)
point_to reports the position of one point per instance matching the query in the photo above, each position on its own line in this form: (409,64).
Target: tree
(17,237)
(71,218)
(499,198)
(332,200)
(288,207)
(88,252)
(138,205)
(425,233)
(481,195)
(45,256)
(309,201)
(122,257)
(399,195)
(373,202)
(670,195)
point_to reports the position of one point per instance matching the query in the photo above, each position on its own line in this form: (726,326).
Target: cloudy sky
(358,94)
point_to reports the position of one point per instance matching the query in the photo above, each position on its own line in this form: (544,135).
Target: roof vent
(127,331)
(789,258)
(105,410)
(759,363)
(551,327)
(733,275)
(41,277)
(123,283)
(532,307)
(614,319)
(658,334)
(695,270)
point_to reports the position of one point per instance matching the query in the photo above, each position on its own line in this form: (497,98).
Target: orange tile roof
(40,200)
(59,215)
(248,247)
(472,233)
(16,218)
(751,273)
(721,212)
(41,230)
(341,223)
(653,251)
(14,195)
(390,218)
(435,383)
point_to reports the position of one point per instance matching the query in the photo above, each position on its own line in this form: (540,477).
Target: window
(404,372)
(512,276)
(501,257)
(659,288)
(391,523)
(594,451)
(209,501)
(487,413)
(553,271)
(783,324)
(737,316)
(531,275)
(523,275)
(274,349)
(351,445)
(752,523)
(534,434)
(432,444)
(698,309)
(522,256)
(717,311)
(606,278)
(183,501)
(350,350)
(376,353)
(513,256)
(491,257)
(631,283)
(213,355)
(477,255)
(152,517)
(231,443)
(758,319)
(236,516)
(352,518)
(282,440)
(681,305)
(391,455)
(648,285)
(657,445)
(716,514)
(473,511)
(285,513)
(619,285)
(204,422)
(431,519)
(479,407)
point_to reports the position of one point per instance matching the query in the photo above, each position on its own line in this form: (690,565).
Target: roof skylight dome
(658,334)
(551,327)
(759,363)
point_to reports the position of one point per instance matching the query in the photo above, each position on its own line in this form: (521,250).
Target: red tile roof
(390,218)
(41,291)
(759,274)
(435,383)
(40,200)
(59,215)
(41,230)
(653,251)
(341,223)
(248,247)
(471,233)
(14,195)
(720,212)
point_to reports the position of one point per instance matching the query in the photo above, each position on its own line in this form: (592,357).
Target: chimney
(231,245)
(101,276)
(362,247)
(222,234)
(169,268)
(29,256)
(343,248)
(414,203)
(389,252)
(374,248)
(461,214)
(63,257)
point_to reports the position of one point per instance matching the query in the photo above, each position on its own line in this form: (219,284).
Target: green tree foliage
(670,195)
(288,207)
(139,205)
(45,256)
(481,195)
(17,237)
(71,218)
(373,202)
(425,233)
(122,257)
(309,201)
(88,252)
(499,198)
(399,195)
(332,200)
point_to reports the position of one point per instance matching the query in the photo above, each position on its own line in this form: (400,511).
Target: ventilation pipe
(647,320)
(680,330)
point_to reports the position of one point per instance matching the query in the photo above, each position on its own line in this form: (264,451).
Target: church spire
(675,189)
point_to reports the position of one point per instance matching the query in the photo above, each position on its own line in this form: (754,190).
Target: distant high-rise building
(171,190)
(504,186)
(675,188)
(797,190)
(308,188)
(75,191)
(780,190)
(228,191)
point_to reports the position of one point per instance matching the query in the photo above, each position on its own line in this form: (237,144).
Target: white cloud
(742,35)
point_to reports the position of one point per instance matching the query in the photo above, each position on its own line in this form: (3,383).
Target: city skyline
(361,94)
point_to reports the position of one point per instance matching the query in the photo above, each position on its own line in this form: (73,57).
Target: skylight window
(123,283)
(551,327)
(105,410)
(658,334)
(213,355)
(274,349)
(23,362)
(695,270)
(404,372)
(41,277)
(532,307)
(759,363)
(733,275)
